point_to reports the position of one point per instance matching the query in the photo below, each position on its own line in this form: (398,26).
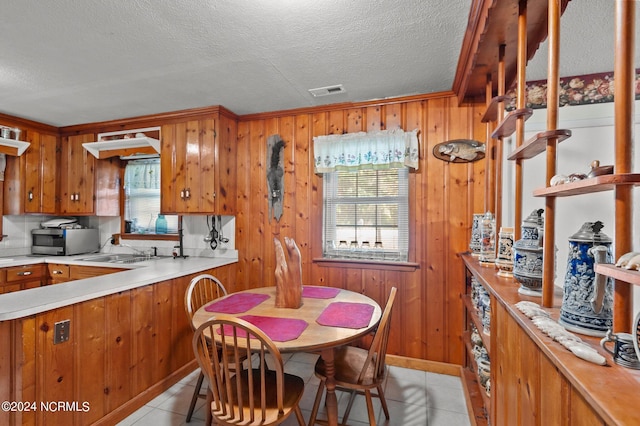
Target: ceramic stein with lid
(587,302)
(528,255)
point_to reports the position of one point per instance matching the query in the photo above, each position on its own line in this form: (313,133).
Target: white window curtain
(384,149)
(142,174)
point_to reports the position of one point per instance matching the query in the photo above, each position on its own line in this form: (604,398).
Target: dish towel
(236,303)
(278,329)
(319,292)
(346,315)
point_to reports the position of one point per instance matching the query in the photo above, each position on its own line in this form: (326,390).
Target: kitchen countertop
(36,300)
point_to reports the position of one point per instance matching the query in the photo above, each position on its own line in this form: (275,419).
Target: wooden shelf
(508,125)
(588,186)
(13,147)
(538,144)
(480,401)
(471,311)
(622,274)
(491,114)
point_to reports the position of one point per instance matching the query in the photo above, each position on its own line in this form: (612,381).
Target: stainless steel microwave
(64,242)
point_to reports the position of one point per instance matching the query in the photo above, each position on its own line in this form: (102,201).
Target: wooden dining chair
(253,396)
(202,289)
(358,370)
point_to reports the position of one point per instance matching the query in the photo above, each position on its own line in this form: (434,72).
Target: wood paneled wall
(427,321)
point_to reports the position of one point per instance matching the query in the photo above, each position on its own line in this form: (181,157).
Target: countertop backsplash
(17,241)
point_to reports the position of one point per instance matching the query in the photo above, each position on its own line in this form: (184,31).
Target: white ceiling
(69,62)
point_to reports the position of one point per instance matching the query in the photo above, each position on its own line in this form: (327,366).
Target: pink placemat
(320,292)
(346,314)
(236,303)
(278,329)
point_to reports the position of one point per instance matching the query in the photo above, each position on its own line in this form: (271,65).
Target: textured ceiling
(69,62)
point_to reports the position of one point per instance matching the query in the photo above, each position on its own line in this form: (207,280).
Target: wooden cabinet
(87,186)
(536,380)
(198,165)
(77,180)
(474,314)
(30,180)
(59,273)
(78,272)
(23,277)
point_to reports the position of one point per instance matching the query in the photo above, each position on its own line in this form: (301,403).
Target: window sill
(366,264)
(165,237)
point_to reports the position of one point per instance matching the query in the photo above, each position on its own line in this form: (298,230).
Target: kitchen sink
(116,258)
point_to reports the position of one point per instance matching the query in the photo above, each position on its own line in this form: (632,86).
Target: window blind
(366,214)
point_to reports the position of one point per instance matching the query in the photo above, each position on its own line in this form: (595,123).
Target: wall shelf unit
(491,114)
(508,125)
(589,186)
(538,144)
(627,275)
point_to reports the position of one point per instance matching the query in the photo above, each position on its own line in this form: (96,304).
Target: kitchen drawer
(58,272)
(25,272)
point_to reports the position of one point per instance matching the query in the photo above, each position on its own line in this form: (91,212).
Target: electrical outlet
(61,331)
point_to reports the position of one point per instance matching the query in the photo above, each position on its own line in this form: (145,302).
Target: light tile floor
(415,398)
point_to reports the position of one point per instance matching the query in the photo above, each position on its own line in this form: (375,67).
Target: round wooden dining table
(315,337)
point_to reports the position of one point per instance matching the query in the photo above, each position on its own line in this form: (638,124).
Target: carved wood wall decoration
(275,175)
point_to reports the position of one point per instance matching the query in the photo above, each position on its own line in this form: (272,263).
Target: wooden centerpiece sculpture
(288,275)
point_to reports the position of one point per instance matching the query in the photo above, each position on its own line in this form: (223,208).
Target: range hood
(13,147)
(123,147)
(128,143)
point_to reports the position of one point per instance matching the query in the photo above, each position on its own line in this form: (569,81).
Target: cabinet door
(188,167)
(77,272)
(77,183)
(40,174)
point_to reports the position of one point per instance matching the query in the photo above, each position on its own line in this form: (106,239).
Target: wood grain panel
(119,349)
(142,321)
(243,215)
(163,306)
(90,355)
(168,162)
(303,161)
(59,362)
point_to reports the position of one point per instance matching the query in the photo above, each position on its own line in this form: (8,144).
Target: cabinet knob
(30,196)
(187,193)
(56,272)
(182,194)
(25,273)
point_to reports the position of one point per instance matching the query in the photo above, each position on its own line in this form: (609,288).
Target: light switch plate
(61,331)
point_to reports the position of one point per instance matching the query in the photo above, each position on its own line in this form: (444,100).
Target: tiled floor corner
(415,398)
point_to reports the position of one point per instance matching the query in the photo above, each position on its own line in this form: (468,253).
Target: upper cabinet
(198,165)
(30,180)
(77,178)
(87,186)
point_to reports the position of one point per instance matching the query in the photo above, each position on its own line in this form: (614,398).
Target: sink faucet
(181,246)
(155,251)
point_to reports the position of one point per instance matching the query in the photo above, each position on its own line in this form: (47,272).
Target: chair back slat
(238,396)
(201,290)
(378,349)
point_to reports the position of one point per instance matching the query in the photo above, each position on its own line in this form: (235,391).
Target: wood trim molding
(367,264)
(148,120)
(493,23)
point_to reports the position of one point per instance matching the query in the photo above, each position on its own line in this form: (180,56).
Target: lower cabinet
(17,278)
(124,349)
(533,379)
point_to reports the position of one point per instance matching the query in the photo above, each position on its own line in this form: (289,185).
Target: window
(142,197)
(366,214)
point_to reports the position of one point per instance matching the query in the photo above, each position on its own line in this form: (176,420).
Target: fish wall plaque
(459,151)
